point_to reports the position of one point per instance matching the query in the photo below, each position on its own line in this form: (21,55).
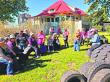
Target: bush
(108,29)
(99,27)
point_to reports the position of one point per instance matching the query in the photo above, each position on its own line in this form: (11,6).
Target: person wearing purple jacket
(82,37)
(11,44)
(14,50)
(32,45)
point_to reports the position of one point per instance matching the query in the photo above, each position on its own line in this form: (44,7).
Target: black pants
(66,42)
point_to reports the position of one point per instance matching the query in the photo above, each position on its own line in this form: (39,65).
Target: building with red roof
(60,14)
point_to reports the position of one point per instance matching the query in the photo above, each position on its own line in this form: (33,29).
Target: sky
(37,6)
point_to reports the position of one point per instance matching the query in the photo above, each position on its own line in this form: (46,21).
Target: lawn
(49,68)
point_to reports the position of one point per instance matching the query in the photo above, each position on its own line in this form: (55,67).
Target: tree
(99,11)
(9,9)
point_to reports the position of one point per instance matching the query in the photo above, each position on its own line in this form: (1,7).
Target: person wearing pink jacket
(65,37)
(41,42)
(41,38)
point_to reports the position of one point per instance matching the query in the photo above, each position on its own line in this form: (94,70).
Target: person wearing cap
(32,46)
(4,59)
(21,40)
(95,41)
(11,44)
(14,50)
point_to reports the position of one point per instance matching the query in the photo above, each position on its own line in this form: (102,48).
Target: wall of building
(71,23)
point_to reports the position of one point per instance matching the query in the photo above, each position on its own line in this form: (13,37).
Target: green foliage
(99,11)
(11,8)
(99,27)
(108,29)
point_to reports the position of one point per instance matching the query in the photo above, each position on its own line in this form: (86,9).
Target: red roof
(60,7)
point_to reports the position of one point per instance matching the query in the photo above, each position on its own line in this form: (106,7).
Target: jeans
(66,42)
(77,45)
(22,46)
(50,48)
(9,69)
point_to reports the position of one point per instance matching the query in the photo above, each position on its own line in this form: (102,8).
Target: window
(52,19)
(57,19)
(67,17)
(48,19)
(63,18)
(51,11)
(72,18)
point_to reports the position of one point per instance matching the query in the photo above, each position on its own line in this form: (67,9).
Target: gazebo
(60,14)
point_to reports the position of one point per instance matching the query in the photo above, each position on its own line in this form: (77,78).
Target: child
(77,41)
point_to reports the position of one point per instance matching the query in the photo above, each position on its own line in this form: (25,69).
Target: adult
(41,42)
(26,32)
(82,37)
(14,50)
(51,30)
(65,36)
(32,46)
(95,41)
(21,40)
(11,43)
(41,38)
(56,42)
(4,59)
(59,31)
(50,43)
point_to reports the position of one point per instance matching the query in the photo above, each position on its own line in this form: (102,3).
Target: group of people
(91,37)
(16,48)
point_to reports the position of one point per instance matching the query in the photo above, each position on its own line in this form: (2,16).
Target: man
(95,41)
(4,59)
(21,40)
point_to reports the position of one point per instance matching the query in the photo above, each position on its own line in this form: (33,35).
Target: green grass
(51,67)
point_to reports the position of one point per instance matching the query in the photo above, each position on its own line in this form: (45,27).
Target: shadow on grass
(33,64)
(49,53)
(84,49)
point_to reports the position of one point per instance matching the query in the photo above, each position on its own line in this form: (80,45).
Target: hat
(12,36)
(6,38)
(2,39)
(31,34)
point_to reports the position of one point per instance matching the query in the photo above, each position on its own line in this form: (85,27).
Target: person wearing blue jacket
(95,42)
